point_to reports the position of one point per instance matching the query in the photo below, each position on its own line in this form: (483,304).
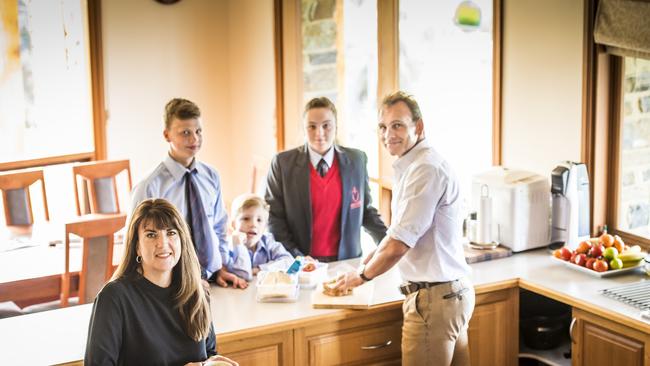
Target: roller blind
(623,27)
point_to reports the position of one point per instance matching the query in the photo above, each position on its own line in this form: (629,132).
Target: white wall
(216,53)
(542,76)
(219,53)
(252,90)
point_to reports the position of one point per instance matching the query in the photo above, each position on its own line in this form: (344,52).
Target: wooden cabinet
(372,338)
(264,349)
(494,328)
(599,341)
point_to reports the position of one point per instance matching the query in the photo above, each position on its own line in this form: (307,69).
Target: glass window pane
(339,52)
(44,80)
(445,61)
(634,178)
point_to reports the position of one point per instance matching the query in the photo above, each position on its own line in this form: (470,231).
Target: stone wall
(634,206)
(319,48)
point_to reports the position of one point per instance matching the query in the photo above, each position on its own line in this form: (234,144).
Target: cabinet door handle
(573,323)
(377,346)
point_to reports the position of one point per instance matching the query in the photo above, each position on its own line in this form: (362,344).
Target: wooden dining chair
(99,189)
(96,231)
(15,195)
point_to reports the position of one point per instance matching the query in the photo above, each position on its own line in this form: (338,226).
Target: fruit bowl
(608,273)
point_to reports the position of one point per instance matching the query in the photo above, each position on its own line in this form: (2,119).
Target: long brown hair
(189,299)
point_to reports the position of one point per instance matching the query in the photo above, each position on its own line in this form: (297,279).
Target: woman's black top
(134,322)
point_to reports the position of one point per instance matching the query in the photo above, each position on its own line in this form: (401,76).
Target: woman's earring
(138,259)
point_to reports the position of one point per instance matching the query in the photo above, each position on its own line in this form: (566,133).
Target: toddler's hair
(246,201)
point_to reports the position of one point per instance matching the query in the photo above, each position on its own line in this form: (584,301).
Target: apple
(590,263)
(600,265)
(616,263)
(580,259)
(573,257)
(596,251)
(566,253)
(610,253)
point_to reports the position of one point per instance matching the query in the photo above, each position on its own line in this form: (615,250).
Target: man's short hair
(320,102)
(401,96)
(181,109)
(246,201)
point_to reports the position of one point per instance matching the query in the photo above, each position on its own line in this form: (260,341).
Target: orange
(583,247)
(618,243)
(607,240)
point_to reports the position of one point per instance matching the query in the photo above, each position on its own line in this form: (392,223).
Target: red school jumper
(326,198)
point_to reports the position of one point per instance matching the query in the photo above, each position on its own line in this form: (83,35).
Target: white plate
(608,273)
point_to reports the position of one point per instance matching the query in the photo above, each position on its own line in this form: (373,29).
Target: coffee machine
(570,200)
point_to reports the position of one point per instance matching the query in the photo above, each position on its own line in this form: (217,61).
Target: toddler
(252,246)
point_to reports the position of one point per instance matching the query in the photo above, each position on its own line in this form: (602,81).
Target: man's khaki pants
(435,325)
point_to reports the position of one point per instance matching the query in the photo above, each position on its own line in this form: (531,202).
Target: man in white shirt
(424,241)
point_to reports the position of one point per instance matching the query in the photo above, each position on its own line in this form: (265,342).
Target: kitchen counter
(539,272)
(536,271)
(59,336)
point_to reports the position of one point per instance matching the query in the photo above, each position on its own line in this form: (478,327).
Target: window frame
(602,120)
(289,78)
(616,118)
(97,94)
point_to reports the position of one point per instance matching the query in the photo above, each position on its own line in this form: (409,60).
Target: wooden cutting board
(383,289)
(360,299)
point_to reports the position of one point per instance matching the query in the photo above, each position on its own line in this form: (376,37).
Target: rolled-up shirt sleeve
(416,203)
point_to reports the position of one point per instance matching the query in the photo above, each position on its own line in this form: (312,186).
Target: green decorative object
(468,16)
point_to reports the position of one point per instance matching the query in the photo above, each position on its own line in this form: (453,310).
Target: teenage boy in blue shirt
(184,133)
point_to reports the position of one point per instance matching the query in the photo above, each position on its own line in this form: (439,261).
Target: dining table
(32,262)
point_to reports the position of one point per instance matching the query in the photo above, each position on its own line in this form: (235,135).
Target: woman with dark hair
(154,310)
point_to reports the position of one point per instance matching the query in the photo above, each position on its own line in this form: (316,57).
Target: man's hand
(223,277)
(347,281)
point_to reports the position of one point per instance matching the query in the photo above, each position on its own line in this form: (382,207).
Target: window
(447,66)
(356,51)
(44,80)
(633,214)
(340,62)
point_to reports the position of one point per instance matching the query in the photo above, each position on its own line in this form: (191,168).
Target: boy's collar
(177,169)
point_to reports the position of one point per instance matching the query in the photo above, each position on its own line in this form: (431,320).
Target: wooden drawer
(274,349)
(357,346)
(374,339)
